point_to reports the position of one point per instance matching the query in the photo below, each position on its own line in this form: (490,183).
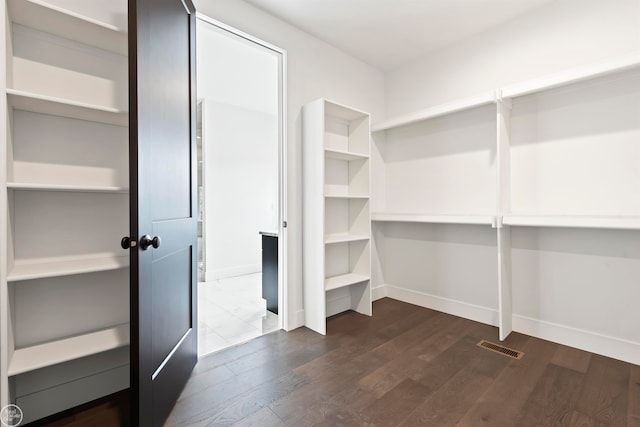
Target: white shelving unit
(337,264)
(63,277)
(552,165)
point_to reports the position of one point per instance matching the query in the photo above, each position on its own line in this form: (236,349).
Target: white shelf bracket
(499,99)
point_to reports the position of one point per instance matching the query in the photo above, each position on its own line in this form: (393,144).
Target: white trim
(283,239)
(478,313)
(605,345)
(239,33)
(298,322)
(378,292)
(337,305)
(6,344)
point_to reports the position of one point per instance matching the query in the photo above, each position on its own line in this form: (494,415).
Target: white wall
(239,87)
(315,69)
(559,35)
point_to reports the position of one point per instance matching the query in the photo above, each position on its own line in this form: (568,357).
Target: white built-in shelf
(344,280)
(434,218)
(571,76)
(344,155)
(344,237)
(436,111)
(70,25)
(341,111)
(346,196)
(65,187)
(51,353)
(27,269)
(574,221)
(628,62)
(21,100)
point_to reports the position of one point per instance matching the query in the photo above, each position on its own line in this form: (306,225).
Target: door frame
(283,252)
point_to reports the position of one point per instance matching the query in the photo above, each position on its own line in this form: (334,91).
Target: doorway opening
(241,187)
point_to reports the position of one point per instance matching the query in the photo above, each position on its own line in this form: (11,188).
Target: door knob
(125,243)
(146,241)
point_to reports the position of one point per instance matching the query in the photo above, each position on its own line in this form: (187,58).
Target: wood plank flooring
(405,366)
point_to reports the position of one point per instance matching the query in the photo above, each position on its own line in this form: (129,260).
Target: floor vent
(509,352)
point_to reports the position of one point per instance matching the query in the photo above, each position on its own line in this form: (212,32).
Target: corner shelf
(344,237)
(23,186)
(344,280)
(65,266)
(574,221)
(51,353)
(70,25)
(434,218)
(437,111)
(43,104)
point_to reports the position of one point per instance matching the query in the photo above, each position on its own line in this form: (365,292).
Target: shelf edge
(593,222)
(64,187)
(436,111)
(97,342)
(435,218)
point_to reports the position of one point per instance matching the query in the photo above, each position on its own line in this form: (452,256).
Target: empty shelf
(27,269)
(70,25)
(66,187)
(344,237)
(44,104)
(51,353)
(344,155)
(571,76)
(345,196)
(434,218)
(436,111)
(343,280)
(574,221)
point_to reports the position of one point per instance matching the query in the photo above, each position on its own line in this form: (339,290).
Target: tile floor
(232,311)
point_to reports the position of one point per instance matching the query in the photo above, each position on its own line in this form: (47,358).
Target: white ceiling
(391,33)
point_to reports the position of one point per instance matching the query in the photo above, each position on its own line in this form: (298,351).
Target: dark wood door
(163,204)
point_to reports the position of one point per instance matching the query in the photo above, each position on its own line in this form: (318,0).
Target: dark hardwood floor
(405,366)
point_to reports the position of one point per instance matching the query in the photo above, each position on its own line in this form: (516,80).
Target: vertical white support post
(504,206)
(4,291)
(377,204)
(313,270)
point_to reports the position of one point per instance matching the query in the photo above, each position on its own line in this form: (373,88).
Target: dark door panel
(162,196)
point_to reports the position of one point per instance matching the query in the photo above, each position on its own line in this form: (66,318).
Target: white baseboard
(297,322)
(480,314)
(378,292)
(225,273)
(339,304)
(617,348)
(605,345)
